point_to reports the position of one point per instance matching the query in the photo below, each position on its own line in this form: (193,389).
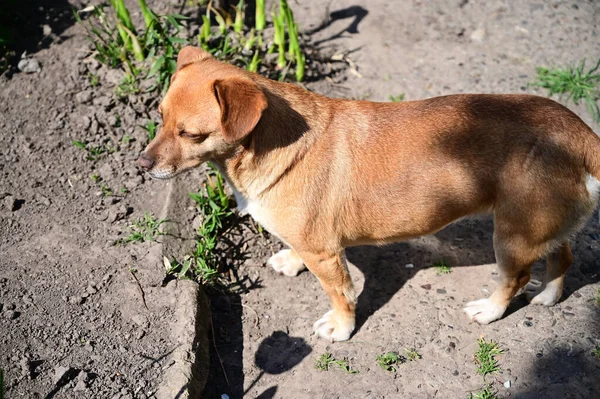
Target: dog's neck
(277,144)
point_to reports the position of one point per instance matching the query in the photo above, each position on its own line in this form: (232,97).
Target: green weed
(94,153)
(105,190)
(485,357)
(441,267)
(390,360)
(95,177)
(412,354)
(485,393)
(326,361)
(596,351)
(397,98)
(215,208)
(574,83)
(147,228)
(150,127)
(151,54)
(126,139)
(93,79)
(128,86)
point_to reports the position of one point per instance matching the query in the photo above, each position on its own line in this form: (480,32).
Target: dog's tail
(591,153)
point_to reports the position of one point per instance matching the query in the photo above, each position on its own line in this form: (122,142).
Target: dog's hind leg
(332,272)
(514,258)
(557,264)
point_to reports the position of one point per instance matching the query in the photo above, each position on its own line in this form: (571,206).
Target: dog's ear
(189,55)
(242,103)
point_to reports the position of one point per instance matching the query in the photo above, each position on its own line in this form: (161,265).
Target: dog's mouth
(161,174)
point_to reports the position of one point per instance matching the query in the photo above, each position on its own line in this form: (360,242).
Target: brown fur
(323,174)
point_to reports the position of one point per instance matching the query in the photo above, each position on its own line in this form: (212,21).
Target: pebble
(441,291)
(76,300)
(507,384)
(409,266)
(29,65)
(83,97)
(478,35)
(224,396)
(426,286)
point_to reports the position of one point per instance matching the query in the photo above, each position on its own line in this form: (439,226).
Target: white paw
(286,262)
(537,294)
(334,328)
(483,311)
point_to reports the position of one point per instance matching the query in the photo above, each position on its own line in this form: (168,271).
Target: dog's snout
(145,161)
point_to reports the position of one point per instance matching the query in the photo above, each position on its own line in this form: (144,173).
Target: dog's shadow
(467,242)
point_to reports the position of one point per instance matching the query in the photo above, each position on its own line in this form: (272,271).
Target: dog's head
(208,110)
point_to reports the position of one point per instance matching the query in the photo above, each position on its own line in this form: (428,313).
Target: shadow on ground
(32,25)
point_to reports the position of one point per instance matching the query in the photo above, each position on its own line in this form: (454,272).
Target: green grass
(149,52)
(485,357)
(326,361)
(144,229)
(574,83)
(94,153)
(389,361)
(412,354)
(484,393)
(598,297)
(441,267)
(397,98)
(215,208)
(150,128)
(94,79)
(596,351)
(127,87)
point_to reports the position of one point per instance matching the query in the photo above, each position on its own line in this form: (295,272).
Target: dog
(322,174)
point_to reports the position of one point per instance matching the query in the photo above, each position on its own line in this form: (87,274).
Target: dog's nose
(145,161)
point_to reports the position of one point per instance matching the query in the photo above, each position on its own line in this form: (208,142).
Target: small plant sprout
(485,393)
(147,228)
(575,83)
(94,79)
(389,361)
(596,351)
(126,139)
(485,357)
(441,267)
(94,153)
(397,98)
(326,361)
(150,127)
(105,190)
(261,16)
(412,354)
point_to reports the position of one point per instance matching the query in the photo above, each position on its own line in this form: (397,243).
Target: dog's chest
(256,210)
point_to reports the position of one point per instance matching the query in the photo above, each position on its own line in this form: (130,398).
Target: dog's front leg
(332,271)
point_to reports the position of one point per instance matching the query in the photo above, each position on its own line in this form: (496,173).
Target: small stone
(76,300)
(441,291)
(527,323)
(478,35)
(91,290)
(409,266)
(426,286)
(83,97)
(507,384)
(224,396)
(455,373)
(29,65)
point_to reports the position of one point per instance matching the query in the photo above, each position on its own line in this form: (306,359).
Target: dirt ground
(72,321)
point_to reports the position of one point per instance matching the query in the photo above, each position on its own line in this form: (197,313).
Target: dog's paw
(539,294)
(333,327)
(286,262)
(483,311)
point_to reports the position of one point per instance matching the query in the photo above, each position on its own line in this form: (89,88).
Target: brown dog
(322,174)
